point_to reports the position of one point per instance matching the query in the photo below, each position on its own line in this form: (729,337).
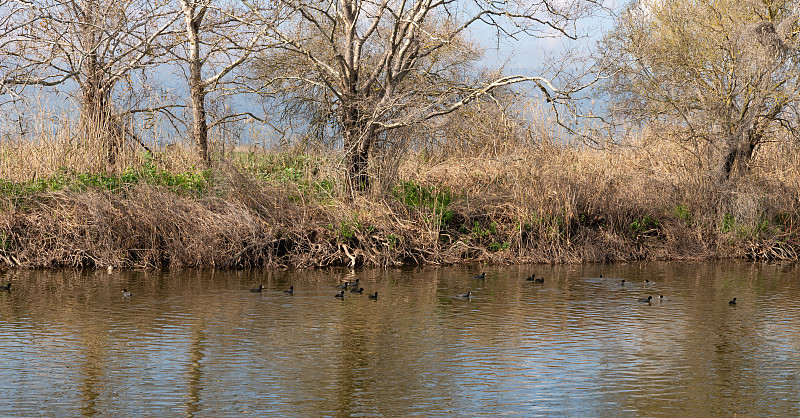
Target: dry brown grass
(517,196)
(52,145)
(582,204)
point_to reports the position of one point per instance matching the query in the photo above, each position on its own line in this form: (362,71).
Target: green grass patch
(190,182)
(434,199)
(644,225)
(682,212)
(300,170)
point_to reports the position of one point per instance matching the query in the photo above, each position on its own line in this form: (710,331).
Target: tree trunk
(736,160)
(198,101)
(97,119)
(358,139)
(358,165)
(199,125)
(194,17)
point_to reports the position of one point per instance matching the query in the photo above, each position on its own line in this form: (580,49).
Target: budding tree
(379,65)
(722,73)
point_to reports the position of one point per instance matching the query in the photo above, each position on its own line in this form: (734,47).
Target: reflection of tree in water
(387,359)
(95,347)
(195,373)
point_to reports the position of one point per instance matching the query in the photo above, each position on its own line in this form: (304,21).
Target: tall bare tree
(216,44)
(725,74)
(378,65)
(94,44)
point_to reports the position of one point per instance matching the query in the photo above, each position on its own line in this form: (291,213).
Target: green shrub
(431,198)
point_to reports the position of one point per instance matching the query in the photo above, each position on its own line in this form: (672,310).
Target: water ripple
(576,345)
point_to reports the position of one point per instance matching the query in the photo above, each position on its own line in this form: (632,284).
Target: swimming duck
(539,280)
(126,293)
(662,298)
(374,295)
(354,284)
(480,276)
(343,286)
(257,289)
(532,278)
(290,290)
(465,295)
(359,290)
(646,300)
(622,283)
(647,282)
(340,295)
(732,302)
(6,287)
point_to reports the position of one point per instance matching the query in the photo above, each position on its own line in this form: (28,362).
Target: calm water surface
(197,343)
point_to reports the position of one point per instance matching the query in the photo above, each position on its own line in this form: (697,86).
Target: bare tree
(93,43)
(216,41)
(723,74)
(378,65)
(14,19)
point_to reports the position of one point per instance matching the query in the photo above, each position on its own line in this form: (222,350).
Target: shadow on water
(193,342)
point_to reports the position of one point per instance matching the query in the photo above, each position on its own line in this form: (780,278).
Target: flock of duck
(482,276)
(540,280)
(351,286)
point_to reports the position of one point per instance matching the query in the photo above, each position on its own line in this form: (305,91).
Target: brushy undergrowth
(526,203)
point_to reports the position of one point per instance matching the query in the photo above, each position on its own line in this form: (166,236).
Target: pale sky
(522,56)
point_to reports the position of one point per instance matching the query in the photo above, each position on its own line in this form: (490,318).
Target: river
(199,343)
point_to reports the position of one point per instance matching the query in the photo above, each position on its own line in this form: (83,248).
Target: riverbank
(541,204)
